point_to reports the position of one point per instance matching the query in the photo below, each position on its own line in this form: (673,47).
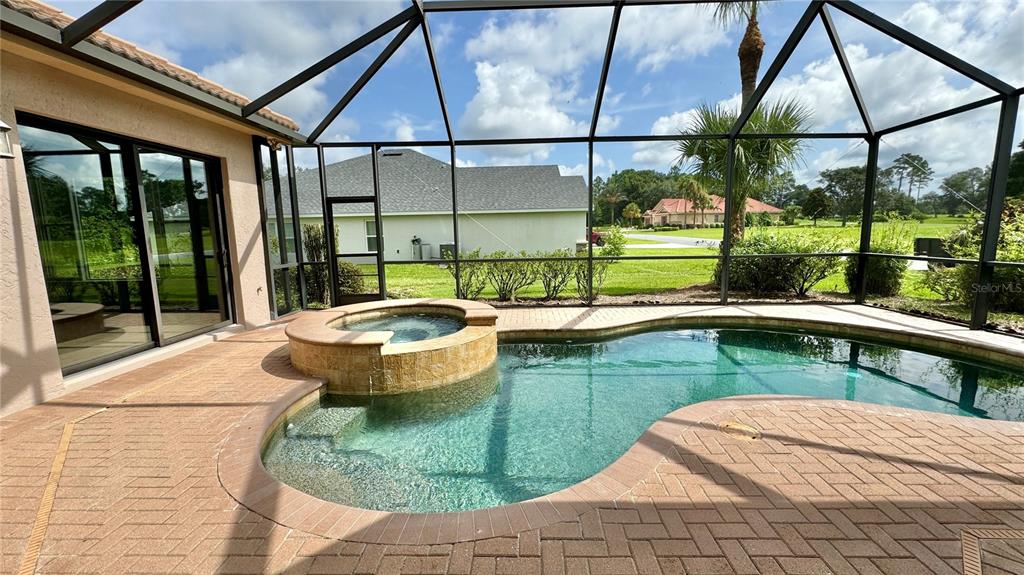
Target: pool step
(330,424)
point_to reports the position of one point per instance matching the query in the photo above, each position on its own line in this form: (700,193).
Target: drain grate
(992,551)
(740,430)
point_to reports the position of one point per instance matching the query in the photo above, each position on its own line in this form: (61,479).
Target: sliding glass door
(130,240)
(180,231)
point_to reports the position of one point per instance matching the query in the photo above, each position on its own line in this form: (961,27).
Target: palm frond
(729,13)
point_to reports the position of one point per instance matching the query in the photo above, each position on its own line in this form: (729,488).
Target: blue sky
(534,73)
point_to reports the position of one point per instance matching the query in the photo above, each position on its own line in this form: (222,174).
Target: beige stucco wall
(41,82)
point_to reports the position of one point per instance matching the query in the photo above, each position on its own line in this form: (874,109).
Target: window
(130,261)
(371,235)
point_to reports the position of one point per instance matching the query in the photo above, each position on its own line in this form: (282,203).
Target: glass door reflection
(180,222)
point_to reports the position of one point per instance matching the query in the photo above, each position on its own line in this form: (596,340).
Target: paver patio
(829,487)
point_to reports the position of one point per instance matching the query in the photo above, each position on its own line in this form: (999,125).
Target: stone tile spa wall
(365,363)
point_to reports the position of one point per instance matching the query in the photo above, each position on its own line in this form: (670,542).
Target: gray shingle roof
(412,182)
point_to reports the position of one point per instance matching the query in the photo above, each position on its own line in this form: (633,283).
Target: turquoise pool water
(410,326)
(549,415)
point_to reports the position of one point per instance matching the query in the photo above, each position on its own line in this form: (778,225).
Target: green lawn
(937,227)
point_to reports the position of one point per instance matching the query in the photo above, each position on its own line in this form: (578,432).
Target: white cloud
(460,163)
(405,127)
(528,69)
(661,155)
(603,167)
(577,170)
(515,101)
(553,42)
(253,49)
(990,36)
(654,36)
(898,84)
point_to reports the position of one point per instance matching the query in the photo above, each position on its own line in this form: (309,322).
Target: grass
(936,227)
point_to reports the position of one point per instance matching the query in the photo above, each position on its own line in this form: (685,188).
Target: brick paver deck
(829,487)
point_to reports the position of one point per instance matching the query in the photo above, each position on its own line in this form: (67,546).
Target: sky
(517,74)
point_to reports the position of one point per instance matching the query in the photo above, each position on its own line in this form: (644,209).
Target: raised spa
(553,413)
(407,325)
(394,346)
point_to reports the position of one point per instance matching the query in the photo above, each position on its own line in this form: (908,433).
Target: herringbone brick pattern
(829,487)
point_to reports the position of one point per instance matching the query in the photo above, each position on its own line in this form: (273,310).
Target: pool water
(409,326)
(552,414)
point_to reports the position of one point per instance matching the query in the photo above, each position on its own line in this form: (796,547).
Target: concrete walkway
(675,241)
(125,476)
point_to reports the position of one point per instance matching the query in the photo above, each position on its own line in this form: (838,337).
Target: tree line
(903,187)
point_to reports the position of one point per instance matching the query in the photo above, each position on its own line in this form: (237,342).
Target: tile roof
(681,206)
(412,182)
(52,16)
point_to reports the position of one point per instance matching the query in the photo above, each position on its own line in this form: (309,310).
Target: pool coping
(242,474)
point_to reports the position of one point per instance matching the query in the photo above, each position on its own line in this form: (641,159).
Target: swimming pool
(549,415)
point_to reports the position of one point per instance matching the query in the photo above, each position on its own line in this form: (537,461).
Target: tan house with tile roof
(680,212)
(92,119)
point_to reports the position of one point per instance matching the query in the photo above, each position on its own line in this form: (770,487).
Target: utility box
(422,252)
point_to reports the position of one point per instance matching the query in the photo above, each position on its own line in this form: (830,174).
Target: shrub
(508,278)
(884,275)
(792,274)
(1008,282)
(790,214)
(472,275)
(764,220)
(614,242)
(944,281)
(918,215)
(880,217)
(317,276)
(555,274)
(350,278)
(600,272)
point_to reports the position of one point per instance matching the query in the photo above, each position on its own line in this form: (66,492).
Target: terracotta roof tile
(681,206)
(58,19)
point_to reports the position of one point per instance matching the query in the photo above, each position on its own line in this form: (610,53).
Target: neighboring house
(501,208)
(679,212)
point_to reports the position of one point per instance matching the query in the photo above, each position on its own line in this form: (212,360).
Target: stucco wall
(41,82)
(510,232)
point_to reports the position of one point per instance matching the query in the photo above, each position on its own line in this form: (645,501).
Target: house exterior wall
(688,219)
(510,232)
(43,82)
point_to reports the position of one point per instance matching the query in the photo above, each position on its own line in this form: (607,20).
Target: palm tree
(690,189)
(703,204)
(757,160)
(613,199)
(631,212)
(751,46)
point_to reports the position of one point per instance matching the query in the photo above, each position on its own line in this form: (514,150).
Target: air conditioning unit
(447,251)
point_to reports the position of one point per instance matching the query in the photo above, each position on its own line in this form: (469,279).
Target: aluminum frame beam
(428,41)
(923,46)
(17,24)
(367,75)
(90,22)
(603,80)
(773,71)
(844,63)
(329,61)
(994,210)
